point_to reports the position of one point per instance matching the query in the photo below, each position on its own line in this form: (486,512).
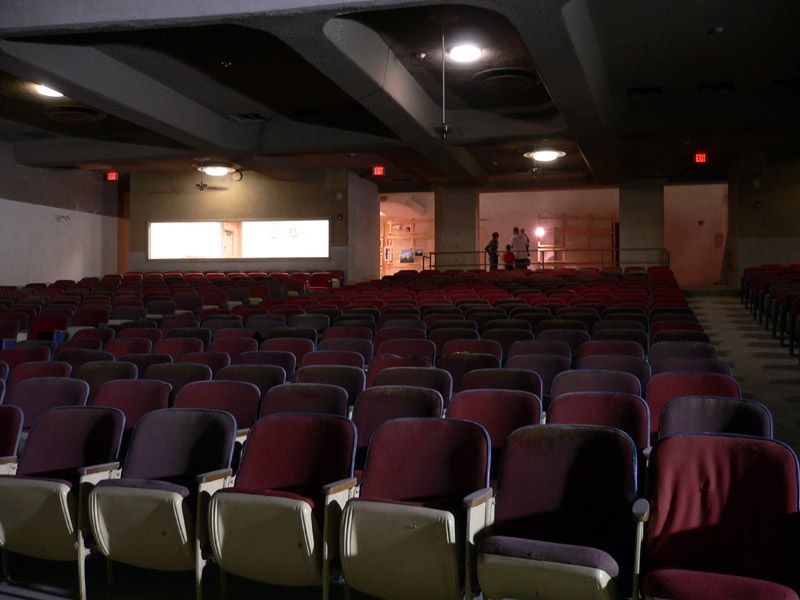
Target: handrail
(554,257)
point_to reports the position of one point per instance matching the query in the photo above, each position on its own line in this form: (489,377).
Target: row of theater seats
(772,293)
(556,525)
(510,557)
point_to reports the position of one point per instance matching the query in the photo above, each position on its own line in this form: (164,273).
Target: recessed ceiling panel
(502,80)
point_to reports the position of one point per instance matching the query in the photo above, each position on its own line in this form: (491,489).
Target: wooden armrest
(91,470)
(339,486)
(478,497)
(641,510)
(214,476)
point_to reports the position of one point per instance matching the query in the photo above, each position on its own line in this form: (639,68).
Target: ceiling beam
(90,76)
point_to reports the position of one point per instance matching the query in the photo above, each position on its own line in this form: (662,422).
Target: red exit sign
(378,171)
(700,158)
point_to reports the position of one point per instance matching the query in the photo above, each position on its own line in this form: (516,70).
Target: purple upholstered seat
(176,457)
(37,396)
(564,496)
(709,414)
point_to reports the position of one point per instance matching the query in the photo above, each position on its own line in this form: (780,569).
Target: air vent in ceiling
(507,78)
(645,92)
(74,115)
(247,117)
(725,87)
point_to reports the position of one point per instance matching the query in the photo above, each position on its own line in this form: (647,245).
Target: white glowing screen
(285,239)
(258,239)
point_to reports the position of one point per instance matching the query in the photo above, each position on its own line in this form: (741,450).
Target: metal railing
(554,257)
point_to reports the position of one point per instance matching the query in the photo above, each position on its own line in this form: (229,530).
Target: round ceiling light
(545,155)
(49,92)
(465,53)
(216,170)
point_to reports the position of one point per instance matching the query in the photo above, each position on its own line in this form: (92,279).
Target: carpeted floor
(760,364)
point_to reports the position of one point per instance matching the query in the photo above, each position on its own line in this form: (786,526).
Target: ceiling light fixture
(49,92)
(216,170)
(545,155)
(465,53)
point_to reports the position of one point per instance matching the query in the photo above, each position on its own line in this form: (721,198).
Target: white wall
(38,246)
(42,243)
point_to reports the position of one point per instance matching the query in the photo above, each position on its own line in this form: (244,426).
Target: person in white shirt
(519,246)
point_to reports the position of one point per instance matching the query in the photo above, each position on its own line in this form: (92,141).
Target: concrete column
(363,230)
(457,227)
(641,222)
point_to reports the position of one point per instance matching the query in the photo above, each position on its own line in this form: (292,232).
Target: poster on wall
(387,254)
(407,255)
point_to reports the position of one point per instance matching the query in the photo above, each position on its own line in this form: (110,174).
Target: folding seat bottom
(29,507)
(383,545)
(144,523)
(511,567)
(273,538)
(701,585)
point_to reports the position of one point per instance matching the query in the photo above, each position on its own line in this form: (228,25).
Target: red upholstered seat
(723,522)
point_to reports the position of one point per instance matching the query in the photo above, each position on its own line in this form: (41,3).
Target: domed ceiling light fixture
(216,169)
(545,154)
(48,91)
(465,53)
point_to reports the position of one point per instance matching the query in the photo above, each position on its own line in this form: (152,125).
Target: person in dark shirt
(493,250)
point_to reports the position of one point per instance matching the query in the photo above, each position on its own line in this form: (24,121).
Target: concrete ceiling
(628,89)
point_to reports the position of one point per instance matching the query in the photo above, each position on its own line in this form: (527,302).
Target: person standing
(520,249)
(493,250)
(508,258)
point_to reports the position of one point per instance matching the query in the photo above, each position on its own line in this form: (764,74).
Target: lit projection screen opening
(239,239)
(285,239)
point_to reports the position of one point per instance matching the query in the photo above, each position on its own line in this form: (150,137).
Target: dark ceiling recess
(254,63)
(63,116)
(507,80)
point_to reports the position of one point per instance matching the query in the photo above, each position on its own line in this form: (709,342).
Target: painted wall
(159,196)
(764,214)
(54,224)
(695,228)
